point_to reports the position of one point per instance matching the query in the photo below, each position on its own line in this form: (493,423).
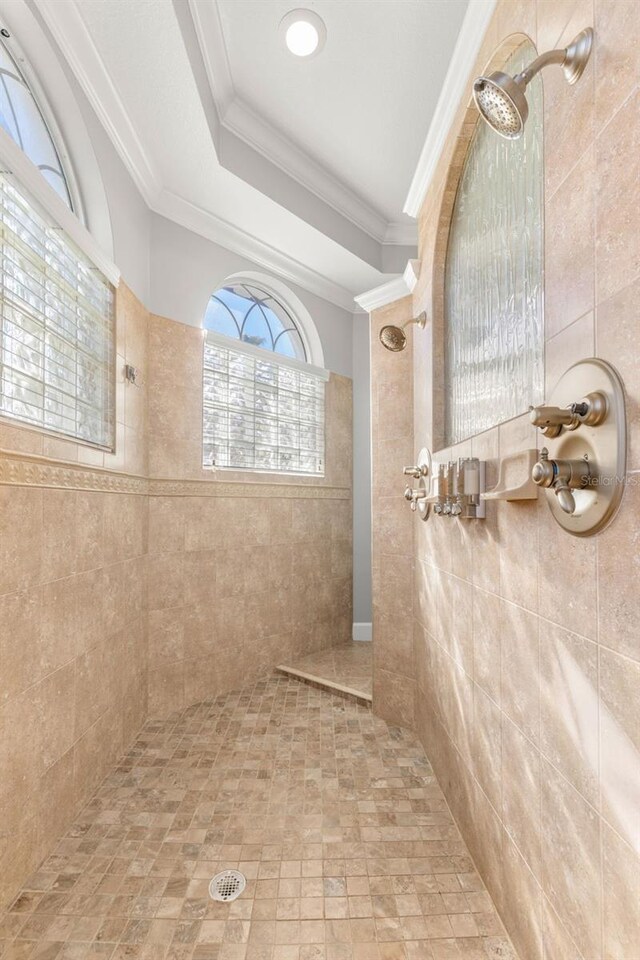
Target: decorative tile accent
(32,471)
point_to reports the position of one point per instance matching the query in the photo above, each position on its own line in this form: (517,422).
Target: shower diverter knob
(413,496)
(562,476)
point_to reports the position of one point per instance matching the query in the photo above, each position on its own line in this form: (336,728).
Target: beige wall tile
(576,341)
(520,669)
(394,697)
(569,601)
(54,704)
(618,576)
(523,906)
(569,250)
(620,744)
(21,538)
(569,113)
(487,642)
(521,793)
(487,746)
(571,860)
(621,882)
(616,55)
(569,707)
(557,942)
(618,326)
(518,532)
(20,641)
(561,19)
(618,170)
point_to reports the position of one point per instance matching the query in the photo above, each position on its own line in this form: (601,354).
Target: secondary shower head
(394,338)
(501,99)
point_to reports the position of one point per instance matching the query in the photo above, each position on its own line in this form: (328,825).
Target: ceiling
(225,131)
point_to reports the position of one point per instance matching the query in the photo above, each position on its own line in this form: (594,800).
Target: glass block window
(494,337)
(247,313)
(23,120)
(56,327)
(260,413)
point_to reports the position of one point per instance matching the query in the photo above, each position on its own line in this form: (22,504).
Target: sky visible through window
(249,314)
(22,119)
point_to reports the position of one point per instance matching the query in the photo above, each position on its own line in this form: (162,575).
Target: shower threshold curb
(350,693)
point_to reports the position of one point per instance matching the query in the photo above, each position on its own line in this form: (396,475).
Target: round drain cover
(227,885)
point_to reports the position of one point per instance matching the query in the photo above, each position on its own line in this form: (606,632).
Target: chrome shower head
(501,99)
(394,338)
(502,103)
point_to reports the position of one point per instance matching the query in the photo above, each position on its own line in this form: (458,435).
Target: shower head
(501,99)
(394,338)
(502,103)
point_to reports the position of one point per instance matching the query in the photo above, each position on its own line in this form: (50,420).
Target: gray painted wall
(187,268)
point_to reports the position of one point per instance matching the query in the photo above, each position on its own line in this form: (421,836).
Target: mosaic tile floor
(349,850)
(349,665)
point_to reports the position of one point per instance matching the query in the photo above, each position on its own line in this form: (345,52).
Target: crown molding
(380,296)
(236,116)
(411,274)
(207,24)
(265,139)
(77,47)
(474,27)
(401,234)
(220,231)
(391,291)
(74,40)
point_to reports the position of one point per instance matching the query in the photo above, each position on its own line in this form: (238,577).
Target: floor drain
(227,885)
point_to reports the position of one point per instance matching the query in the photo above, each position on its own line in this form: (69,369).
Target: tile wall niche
(526,640)
(128,581)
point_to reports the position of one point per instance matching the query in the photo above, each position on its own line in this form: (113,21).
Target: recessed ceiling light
(304,32)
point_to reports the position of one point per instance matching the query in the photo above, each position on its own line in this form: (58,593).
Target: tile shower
(145,742)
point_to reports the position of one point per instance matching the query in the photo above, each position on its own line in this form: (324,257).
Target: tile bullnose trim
(33,470)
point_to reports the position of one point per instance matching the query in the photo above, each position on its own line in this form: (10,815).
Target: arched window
(22,118)
(263,401)
(247,313)
(57,306)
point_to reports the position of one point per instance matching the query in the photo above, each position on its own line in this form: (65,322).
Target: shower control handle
(562,476)
(413,496)
(591,410)
(416,472)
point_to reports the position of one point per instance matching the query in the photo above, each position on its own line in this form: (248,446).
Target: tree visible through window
(263,404)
